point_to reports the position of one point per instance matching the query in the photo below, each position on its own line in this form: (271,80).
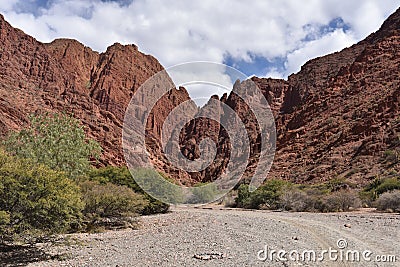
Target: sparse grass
(392,156)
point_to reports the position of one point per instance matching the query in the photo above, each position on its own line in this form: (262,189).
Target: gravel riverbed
(229,237)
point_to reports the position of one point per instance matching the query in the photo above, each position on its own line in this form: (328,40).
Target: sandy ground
(227,237)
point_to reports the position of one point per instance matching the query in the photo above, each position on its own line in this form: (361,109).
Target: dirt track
(223,237)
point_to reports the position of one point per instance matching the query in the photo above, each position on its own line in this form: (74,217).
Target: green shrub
(122,176)
(158,185)
(266,196)
(379,186)
(204,193)
(109,200)
(58,141)
(331,196)
(388,185)
(337,184)
(115,175)
(35,200)
(154,206)
(243,199)
(389,201)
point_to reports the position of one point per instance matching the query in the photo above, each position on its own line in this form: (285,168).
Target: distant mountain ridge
(337,117)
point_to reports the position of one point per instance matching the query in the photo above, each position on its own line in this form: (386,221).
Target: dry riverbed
(227,237)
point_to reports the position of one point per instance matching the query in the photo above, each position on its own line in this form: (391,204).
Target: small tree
(34,200)
(266,196)
(57,141)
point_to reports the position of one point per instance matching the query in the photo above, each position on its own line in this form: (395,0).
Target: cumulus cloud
(7,6)
(182,31)
(326,44)
(274,73)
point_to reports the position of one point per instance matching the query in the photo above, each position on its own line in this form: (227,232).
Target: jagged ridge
(335,118)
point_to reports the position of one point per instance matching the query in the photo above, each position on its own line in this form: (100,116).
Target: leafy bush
(388,185)
(159,185)
(204,193)
(154,206)
(58,141)
(122,176)
(229,200)
(379,186)
(266,196)
(389,201)
(243,198)
(110,206)
(35,200)
(109,200)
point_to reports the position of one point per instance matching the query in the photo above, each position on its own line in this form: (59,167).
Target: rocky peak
(67,76)
(336,117)
(390,27)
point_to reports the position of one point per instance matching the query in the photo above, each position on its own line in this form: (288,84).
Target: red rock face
(335,118)
(64,75)
(346,113)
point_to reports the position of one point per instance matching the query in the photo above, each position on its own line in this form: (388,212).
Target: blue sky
(259,65)
(270,38)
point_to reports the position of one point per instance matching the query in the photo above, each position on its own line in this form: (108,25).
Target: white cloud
(274,73)
(7,5)
(203,79)
(182,31)
(329,43)
(200,93)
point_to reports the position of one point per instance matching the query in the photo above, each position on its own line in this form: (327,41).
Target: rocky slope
(337,117)
(341,115)
(66,76)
